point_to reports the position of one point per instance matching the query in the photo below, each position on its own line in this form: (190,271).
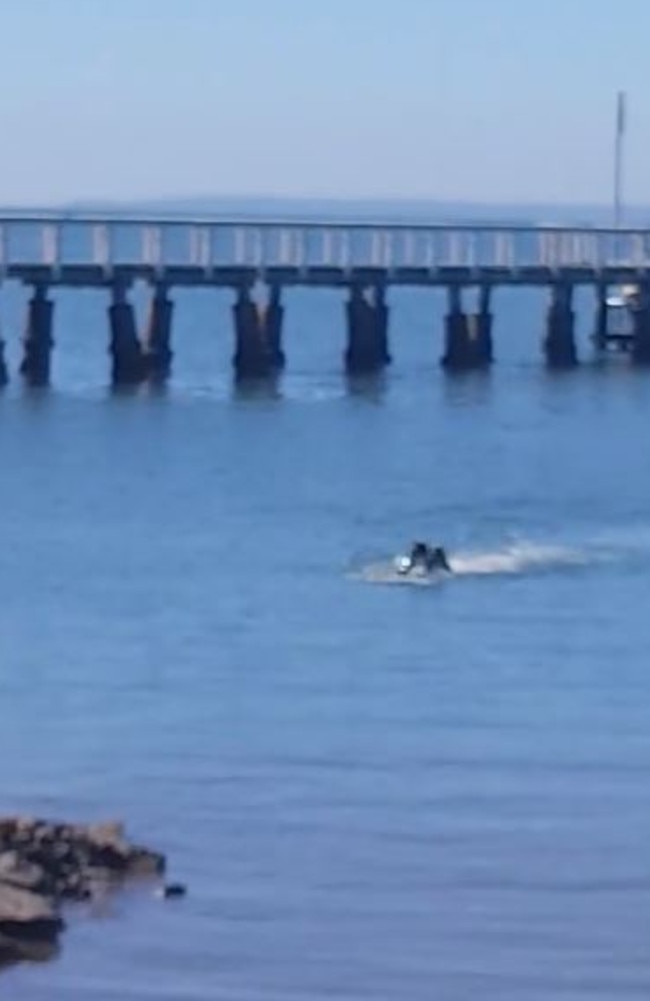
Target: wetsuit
(428,557)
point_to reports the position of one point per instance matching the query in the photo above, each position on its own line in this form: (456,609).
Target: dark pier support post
(641,319)
(468,339)
(272,323)
(38,342)
(367,347)
(252,358)
(128,368)
(382,314)
(157,350)
(4,374)
(459,355)
(480,330)
(559,344)
(601,326)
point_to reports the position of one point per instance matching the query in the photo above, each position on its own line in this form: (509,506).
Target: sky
(498,101)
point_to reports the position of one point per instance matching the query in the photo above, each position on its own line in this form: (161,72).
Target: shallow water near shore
(371,791)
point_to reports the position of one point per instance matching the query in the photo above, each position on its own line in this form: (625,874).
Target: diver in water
(428,557)
(439,559)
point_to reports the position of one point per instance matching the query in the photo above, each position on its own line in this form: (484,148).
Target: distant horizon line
(344,200)
(342,209)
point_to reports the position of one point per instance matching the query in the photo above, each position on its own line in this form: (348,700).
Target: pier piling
(4,374)
(480,330)
(559,343)
(272,323)
(458,355)
(252,358)
(367,328)
(38,342)
(641,321)
(382,314)
(601,326)
(157,352)
(128,367)
(468,338)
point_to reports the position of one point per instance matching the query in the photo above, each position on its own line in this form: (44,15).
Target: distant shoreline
(388,209)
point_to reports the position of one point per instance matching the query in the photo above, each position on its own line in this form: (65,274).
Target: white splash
(386,572)
(516,558)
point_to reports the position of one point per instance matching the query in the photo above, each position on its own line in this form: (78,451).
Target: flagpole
(618,159)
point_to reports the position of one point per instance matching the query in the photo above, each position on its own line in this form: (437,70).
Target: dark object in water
(171,890)
(427,557)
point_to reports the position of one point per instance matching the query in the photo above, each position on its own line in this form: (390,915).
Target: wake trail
(517,558)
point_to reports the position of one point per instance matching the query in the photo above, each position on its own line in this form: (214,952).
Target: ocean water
(372,789)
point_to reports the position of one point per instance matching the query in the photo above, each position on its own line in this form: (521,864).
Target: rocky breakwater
(43,865)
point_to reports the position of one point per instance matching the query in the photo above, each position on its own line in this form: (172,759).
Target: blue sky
(480,100)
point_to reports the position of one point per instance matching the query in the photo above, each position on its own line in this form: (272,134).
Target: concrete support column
(252,358)
(273,320)
(4,374)
(157,350)
(641,320)
(128,367)
(559,344)
(480,331)
(459,354)
(601,325)
(382,315)
(38,342)
(367,329)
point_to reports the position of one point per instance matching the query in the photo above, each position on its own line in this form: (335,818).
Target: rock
(143,862)
(110,831)
(112,856)
(99,876)
(15,951)
(8,831)
(29,924)
(62,850)
(17,871)
(20,905)
(43,864)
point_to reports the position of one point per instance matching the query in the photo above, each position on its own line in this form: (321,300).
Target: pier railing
(257,260)
(160,242)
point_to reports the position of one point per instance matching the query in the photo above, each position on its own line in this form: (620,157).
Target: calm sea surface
(373,790)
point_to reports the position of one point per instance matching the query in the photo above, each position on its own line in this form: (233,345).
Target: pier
(259,260)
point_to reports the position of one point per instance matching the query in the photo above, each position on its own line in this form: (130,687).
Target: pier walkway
(257,259)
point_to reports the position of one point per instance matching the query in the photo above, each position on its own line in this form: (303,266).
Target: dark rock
(97,875)
(108,856)
(16,950)
(20,905)
(29,924)
(43,864)
(63,853)
(17,871)
(174,890)
(108,832)
(143,862)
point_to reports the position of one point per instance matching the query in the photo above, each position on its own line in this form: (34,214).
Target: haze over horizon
(151,101)
(395,210)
